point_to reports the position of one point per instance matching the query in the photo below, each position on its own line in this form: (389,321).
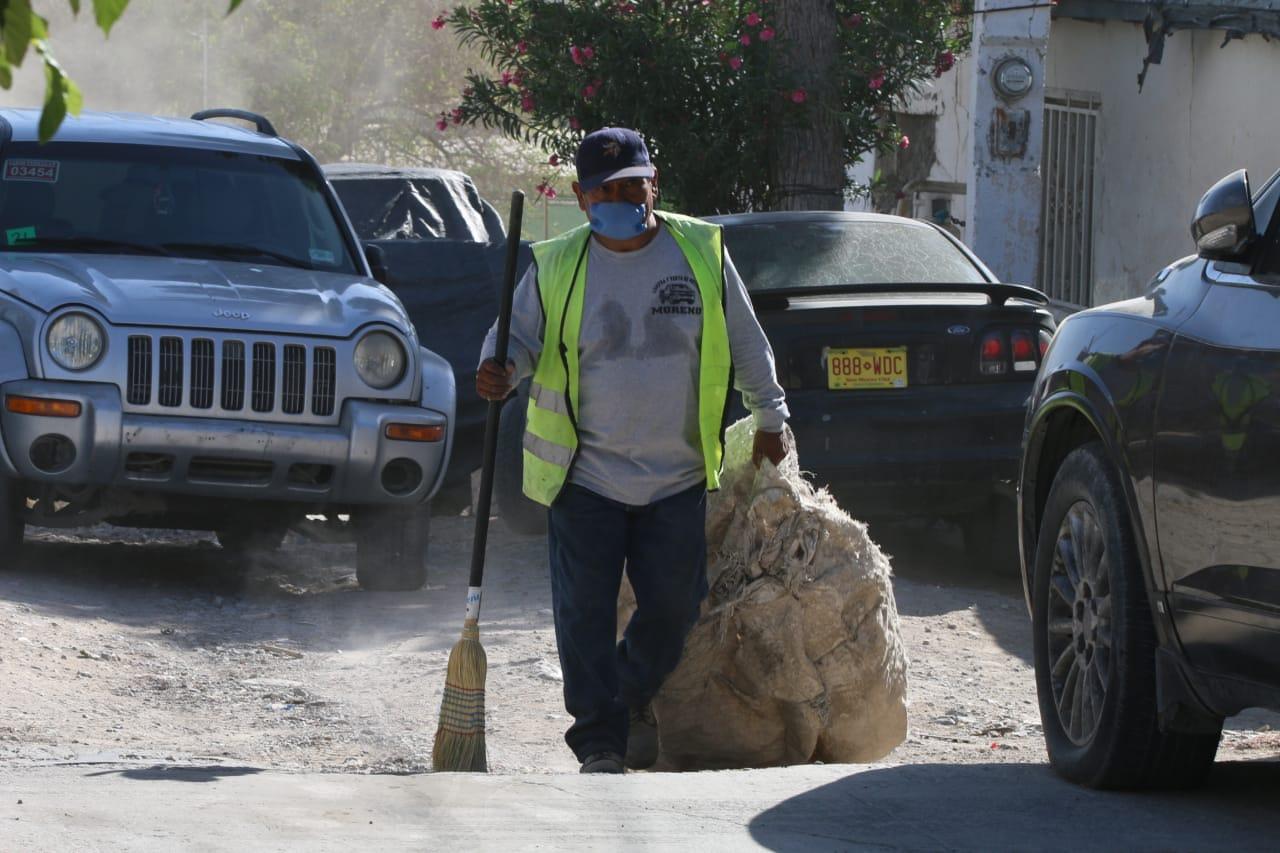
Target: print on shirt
(676,294)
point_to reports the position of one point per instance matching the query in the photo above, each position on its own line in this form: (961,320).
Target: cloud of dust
(154,61)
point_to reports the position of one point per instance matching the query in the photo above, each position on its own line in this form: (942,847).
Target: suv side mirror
(377,262)
(1223,227)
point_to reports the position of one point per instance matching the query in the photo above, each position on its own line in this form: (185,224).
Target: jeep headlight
(380,360)
(76,341)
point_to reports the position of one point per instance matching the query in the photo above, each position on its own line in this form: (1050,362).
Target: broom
(459,744)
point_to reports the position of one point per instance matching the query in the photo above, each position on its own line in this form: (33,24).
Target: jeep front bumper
(352,462)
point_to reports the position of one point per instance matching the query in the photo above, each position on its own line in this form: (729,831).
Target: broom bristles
(459,745)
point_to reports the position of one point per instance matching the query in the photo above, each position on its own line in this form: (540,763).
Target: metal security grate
(138,382)
(264,377)
(1066,213)
(202,364)
(170,372)
(293,397)
(323,381)
(233,376)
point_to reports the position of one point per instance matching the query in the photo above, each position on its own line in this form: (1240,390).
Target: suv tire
(12,525)
(1095,641)
(391,547)
(518,513)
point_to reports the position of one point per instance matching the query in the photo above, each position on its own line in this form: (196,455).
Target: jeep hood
(139,290)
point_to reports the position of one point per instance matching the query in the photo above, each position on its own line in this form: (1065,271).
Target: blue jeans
(663,547)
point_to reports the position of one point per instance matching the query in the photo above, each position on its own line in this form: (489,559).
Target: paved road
(919,807)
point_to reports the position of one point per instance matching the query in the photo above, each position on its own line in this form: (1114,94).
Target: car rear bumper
(932,450)
(352,462)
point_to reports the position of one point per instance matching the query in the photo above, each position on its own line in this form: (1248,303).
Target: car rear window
(806,254)
(186,202)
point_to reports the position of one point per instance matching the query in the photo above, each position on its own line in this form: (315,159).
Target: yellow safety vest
(551,435)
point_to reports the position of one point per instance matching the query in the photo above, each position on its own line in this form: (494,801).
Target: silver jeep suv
(192,337)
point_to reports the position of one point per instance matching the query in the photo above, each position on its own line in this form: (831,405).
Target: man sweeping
(634,327)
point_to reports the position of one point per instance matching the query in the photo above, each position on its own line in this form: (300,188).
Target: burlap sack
(797,656)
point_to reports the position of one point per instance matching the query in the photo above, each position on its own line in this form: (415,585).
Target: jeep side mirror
(1223,227)
(377,262)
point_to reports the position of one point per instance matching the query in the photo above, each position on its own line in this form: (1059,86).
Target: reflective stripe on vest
(551,435)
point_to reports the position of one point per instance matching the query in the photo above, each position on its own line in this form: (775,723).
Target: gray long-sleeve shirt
(639,364)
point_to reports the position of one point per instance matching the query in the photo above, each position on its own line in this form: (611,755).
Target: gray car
(191,336)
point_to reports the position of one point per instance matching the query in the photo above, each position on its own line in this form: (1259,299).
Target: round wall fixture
(1013,77)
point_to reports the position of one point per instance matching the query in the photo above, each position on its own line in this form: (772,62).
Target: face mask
(618,220)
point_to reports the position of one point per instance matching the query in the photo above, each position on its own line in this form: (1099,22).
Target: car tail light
(994,355)
(1024,351)
(1046,338)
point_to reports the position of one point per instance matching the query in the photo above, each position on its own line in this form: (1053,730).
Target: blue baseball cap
(611,153)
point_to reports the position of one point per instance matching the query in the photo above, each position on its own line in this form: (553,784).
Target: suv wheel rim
(1079,623)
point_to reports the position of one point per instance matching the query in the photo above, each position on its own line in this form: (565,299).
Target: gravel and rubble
(154,647)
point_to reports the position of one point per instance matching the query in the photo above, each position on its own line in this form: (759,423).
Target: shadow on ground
(1022,806)
(176,773)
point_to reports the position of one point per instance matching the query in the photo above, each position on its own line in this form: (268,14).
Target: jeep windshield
(180,202)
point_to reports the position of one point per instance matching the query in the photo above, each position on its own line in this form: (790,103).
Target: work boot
(642,738)
(602,762)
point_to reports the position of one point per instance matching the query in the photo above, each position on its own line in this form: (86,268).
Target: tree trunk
(807,163)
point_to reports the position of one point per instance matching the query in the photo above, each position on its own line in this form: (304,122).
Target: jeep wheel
(12,525)
(1095,642)
(517,512)
(391,547)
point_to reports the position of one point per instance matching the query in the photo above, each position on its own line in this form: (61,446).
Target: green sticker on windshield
(14,236)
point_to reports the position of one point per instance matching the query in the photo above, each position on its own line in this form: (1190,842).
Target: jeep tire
(518,513)
(391,547)
(1095,642)
(12,525)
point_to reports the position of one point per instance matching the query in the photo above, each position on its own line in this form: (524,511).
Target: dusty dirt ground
(119,645)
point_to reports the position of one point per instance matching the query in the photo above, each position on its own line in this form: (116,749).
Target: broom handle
(495,409)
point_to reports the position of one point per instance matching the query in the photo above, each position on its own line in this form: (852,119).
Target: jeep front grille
(138,389)
(191,369)
(202,373)
(264,377)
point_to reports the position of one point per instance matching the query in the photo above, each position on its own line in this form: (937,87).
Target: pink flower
(438,23)
(905,142)
(589,52)
(753,19)
(944,63)
(877,81)
(553,160)
(456,115)
(522,46)
(854,20)
(588,92)
(526,102)
(507,78)
(575,53)
(767,34)
(799,96)
(735,62)
(549,192)
(745,40)
(441,124)
(574,123)
(626,8)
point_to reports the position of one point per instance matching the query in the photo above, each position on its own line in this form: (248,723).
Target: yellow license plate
(880,367)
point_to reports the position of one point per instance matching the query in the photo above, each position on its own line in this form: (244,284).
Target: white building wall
(1203,112)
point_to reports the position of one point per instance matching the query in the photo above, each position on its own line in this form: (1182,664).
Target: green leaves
(233,6)
(61,94)
(105,12)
